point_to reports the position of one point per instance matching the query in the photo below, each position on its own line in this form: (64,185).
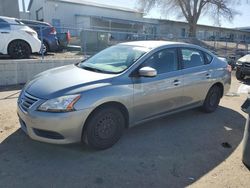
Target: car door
(196,75)
(4,34)
(162,93)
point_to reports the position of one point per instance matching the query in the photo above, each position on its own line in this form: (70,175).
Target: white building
(75,15)
(85,14)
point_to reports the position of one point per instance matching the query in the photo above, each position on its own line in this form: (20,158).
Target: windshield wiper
(95,69)
(92,69)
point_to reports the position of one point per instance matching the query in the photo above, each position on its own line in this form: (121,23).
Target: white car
(17,39)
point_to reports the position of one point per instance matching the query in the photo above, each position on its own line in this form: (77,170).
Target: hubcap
(105,127)
(213,99)
(19,49)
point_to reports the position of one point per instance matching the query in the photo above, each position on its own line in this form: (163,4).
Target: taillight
(53,30)
(229,68)
(68,36)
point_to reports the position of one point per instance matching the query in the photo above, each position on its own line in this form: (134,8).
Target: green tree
(191,10)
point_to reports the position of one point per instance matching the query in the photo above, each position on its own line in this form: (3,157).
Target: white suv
(17,39)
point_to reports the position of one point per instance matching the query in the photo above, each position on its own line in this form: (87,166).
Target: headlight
(60,104)
(238,63)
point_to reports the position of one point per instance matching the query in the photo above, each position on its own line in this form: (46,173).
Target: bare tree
(191,10)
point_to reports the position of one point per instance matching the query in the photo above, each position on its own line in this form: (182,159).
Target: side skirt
(163,114)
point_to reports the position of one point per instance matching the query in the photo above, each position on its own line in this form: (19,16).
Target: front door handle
(208,76)
(5,32)
(177,82)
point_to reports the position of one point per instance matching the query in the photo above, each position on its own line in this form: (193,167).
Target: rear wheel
(212,99)
(19,49)
(104,128)
(239,74)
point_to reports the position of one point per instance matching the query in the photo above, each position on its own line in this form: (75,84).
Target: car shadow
(7,57)
(173,151)
(11,87)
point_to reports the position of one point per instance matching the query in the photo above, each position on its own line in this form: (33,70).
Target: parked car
(121,86)
(17,39)
(241,52)
(231,60)
(243,67)
(48,33)
(64,39)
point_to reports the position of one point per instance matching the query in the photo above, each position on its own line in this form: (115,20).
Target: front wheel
(239,74)
(212,99)
(104,128)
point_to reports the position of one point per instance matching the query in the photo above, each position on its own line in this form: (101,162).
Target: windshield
(115,59)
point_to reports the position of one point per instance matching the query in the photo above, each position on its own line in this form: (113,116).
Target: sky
(241,20)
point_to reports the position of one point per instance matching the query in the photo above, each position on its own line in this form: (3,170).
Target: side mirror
(147,72)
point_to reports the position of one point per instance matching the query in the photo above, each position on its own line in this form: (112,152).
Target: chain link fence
(86,42)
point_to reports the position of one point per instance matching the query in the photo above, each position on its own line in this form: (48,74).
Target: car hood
(65,80)
(245,58)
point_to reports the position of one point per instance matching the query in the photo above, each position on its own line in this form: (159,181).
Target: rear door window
(191,58)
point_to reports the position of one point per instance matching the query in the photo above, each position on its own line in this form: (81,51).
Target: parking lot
(190,148)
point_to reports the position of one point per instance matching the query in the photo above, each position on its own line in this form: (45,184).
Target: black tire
(212,99)
(104,128)
(239,75)
(19,49)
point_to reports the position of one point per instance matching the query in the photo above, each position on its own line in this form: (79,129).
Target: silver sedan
(121,86)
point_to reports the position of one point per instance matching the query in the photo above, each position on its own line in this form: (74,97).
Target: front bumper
(56,128)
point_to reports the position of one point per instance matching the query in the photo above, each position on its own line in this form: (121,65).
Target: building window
(57,24)
(183,32)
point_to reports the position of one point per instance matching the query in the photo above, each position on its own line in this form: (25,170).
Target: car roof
(154,43)
(245,58)
(34,22)
(8,19)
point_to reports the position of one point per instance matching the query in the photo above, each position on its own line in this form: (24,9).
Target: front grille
(26,101)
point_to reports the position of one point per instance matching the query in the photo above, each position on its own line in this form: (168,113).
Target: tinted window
(192,58)
(209,58)
(163,61)
(4,24)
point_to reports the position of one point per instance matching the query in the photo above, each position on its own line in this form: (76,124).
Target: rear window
(4,25)
(19,22)
(36,25)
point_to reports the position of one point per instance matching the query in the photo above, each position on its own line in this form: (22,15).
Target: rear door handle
(177,82)
(208,76)
(5,32)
